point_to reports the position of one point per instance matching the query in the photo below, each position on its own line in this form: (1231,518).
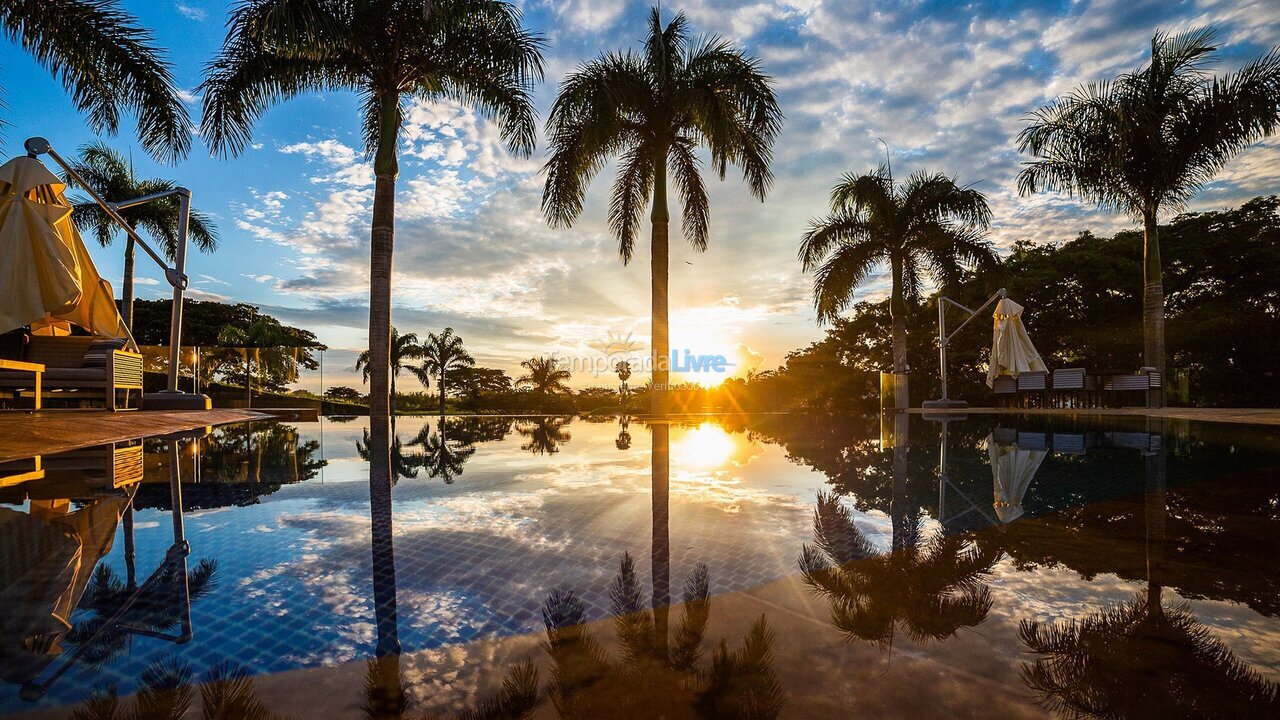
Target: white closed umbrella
(1012,470)
(1011,350)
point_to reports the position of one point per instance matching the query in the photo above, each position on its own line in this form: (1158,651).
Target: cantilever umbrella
(1011,350)
(1012,470)
(46,275)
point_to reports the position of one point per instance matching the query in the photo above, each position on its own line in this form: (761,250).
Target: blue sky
(945,84)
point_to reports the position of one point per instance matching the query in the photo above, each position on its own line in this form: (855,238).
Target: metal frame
(944,338)
(176,275)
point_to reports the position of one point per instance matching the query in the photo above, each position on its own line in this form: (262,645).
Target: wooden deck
(24,434)
(1247,416)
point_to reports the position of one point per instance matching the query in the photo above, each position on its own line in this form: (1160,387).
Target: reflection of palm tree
(624,436)
(166,692)
(157,607)
(546,435)
(931,589)
(442,457)
(652,679)
(1142,659)
(403,464)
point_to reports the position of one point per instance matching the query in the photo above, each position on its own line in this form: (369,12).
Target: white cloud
(191,13)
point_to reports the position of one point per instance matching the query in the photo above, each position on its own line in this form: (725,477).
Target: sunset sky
(945,85)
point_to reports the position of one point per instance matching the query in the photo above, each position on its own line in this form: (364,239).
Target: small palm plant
(654,110)
(1148,140)
(167,691)
(111,177)
(403,348)
(931,589)
(927,225)
(107,63)
(545,377)
(442,354)
(387,51)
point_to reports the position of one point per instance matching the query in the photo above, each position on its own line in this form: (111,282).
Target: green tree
(1148,140)
(655,110)
(107,63)
(264,342)
(402,349)
(389,51)
(110,175)
(473,383)
(442,354)
(545,377)
(928,224)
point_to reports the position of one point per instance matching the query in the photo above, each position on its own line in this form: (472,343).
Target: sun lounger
(79,367)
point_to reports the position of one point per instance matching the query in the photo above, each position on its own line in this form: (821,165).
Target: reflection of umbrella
(46,274)
(48,560)
(1011,349)
(1012,469)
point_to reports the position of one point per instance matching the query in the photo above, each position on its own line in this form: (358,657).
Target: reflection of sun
(704,447)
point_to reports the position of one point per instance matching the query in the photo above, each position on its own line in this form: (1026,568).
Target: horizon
(473,252)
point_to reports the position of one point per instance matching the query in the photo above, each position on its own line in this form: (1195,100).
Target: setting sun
(703,447)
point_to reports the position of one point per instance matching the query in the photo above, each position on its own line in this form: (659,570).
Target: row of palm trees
(1142,143)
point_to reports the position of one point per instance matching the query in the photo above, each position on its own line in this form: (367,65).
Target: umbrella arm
(944,338)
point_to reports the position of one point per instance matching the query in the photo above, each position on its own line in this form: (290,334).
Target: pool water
(747,566)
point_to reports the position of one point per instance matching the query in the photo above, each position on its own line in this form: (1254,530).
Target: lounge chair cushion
(84,374)
(96,355)
(65,351)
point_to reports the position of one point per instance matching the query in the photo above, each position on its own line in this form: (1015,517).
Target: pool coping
(45,432)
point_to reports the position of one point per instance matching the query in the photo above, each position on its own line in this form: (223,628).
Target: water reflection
(545,435)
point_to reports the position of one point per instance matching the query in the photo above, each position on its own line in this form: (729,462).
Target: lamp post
(171,398)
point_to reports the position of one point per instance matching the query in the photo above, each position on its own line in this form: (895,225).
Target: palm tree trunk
(897,316)
(441,389)
(391,403)
(126,290)
(1155,510)
(658,261)
(382,547)
(1152,302)
(381,245)
(903,523)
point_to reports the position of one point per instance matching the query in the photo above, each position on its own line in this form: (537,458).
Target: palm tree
(166,691)
(931,589)
(401,349)
(269,344)
(443,458)
(545,377)
(110,175)
(107,63)
(388,51)
(1148,140)
(928,224)
(442,355)
(546,435)
(654,110)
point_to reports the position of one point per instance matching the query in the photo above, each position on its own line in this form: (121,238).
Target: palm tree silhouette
(111,176)
(1141,658)
(403,464)
(929,589)
(443,458)
(653,678)
(654,110)
(403,348)
(545,377)
(1149,140)
(443,354)
(927,224)
(546,435)
(166,691)
(387,51)
(107,63)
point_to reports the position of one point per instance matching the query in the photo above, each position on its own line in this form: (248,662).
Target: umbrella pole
(171,398)
(944,338)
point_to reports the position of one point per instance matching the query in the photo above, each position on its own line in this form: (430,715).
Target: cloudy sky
(946,85)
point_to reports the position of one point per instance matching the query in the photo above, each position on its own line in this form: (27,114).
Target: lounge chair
(1032,387)
(1143,381)
(84,366)
(1073,387)
(1005,389)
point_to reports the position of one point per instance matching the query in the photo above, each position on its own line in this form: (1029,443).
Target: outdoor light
(171,398)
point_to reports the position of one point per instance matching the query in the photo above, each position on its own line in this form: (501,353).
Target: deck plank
(24,434)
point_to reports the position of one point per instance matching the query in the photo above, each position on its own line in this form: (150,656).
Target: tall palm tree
(389,51)
(110,175)
(442,354)
(930,589)
(655,110)
(927,225)
(401,350)
(545,377)
(1148,140)
(107,63)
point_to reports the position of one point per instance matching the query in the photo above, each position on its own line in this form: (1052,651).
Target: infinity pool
(742,567)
